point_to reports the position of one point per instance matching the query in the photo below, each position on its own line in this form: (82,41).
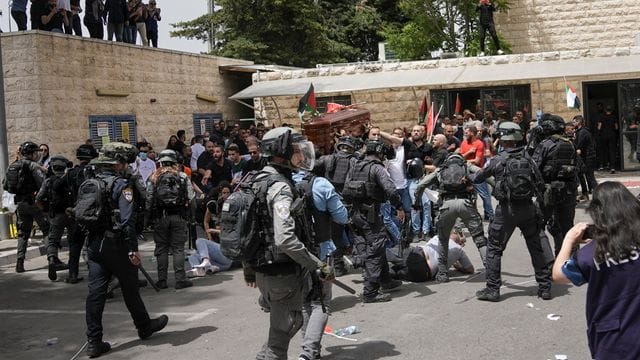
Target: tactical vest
(561,165)
(362,172)
(338,168)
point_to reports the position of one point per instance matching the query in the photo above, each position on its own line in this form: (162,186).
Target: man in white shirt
(196,150)
(143,166)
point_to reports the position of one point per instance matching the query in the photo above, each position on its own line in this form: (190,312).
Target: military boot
(60,266)
(153,326)
(53,276)
(97,348)
(20,266)
(487,294)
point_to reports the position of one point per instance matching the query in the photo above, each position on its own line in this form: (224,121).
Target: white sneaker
(500,52)
(196,272)
(212,269)
(204,264)
(481,53)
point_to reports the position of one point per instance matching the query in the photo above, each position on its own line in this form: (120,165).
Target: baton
(146,274)
(343,286)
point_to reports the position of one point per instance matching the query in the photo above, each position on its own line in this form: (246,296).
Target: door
(629,105)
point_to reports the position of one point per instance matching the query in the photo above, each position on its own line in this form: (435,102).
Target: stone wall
(552,25)
(398,107)
(51,80)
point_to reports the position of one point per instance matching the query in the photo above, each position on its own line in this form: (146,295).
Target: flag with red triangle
(458,105)
(422,114)
(307,102)
(430,122)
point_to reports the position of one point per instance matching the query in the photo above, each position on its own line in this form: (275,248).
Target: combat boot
(53,276)
(153,326)
(544,294)
(487,294)
(97,348)
(442,277)
(60,266)
(20,266)
(379,297)
(390,286)
(73,279)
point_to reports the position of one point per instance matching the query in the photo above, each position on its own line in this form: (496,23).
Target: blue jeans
(483,191)
(416,219)
(211,250)
(389,218)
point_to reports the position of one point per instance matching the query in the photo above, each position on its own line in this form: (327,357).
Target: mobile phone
(589,232)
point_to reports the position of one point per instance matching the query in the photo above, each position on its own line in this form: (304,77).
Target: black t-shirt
(607,129)
(56,21)
(204,159)
(421,152)
(439,156)
(220,173)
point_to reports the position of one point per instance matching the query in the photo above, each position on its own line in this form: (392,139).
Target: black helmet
(377,147)
(552,124)
(58,164)
(28,147)
(346,143)
(86,152)
(415,168)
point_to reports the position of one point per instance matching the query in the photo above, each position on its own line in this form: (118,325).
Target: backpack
(452,174)
(518,180)
(94,208)
(356,190)
(19,180)
(170,191)
(59,194)
(241,218)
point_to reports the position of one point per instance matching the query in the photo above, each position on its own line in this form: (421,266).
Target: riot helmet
(28,148)
(552,124)
(168,157)
(509,131)
(346,143)
(59,164)
(86,152)
(293,147)
(116,152)
(415,168)
(379,148)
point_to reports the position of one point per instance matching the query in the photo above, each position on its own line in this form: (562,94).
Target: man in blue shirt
(327,208)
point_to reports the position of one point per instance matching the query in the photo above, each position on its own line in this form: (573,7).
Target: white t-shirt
(456,253)
(144,168)
(64,4)
(196,150)
(396,168)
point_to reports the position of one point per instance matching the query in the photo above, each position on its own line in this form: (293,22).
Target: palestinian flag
(308,102)
(458,105)
(423,110)
(573,101)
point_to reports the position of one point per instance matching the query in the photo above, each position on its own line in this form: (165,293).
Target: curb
(8,257)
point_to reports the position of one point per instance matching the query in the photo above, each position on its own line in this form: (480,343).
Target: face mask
(143,156)
(206,138)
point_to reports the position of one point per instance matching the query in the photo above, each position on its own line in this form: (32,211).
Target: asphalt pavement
(219,318)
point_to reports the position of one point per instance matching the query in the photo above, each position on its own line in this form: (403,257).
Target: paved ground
(219,317)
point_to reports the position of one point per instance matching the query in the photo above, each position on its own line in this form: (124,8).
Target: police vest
(322,222)
(561,163)
(361,173)
(338,168)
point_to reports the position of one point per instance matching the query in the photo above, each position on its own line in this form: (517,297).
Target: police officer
(513,212)
(368,186)
(24,178)
(454,204)
(55,196)
(326,209)
(76,176)
(114,251)
(280,270)
(555,157)
(169,192)
(334,167)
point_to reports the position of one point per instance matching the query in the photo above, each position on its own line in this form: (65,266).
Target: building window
(204,122)
(321,102)
(503,101)
(108,128)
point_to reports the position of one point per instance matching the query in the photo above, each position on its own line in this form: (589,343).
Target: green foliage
(304,33)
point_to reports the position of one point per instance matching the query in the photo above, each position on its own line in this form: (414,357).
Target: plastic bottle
(347,330)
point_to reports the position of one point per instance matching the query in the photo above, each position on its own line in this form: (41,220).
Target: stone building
(62,90)
(592,46)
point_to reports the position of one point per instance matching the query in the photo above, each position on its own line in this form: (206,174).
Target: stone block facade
(549,25)
(399,107)
(50,83)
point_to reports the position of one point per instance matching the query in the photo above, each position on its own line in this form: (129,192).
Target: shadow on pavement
(174,338)
(369,350)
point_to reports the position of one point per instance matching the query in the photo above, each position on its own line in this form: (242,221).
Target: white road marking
(190,316)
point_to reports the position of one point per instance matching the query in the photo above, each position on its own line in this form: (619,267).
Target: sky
(172,11)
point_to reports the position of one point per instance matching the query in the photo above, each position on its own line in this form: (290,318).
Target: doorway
(622,97)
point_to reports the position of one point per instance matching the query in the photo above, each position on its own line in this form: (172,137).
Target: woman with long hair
(610,264)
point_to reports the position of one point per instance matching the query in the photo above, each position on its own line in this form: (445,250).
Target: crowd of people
(124,20)
(372,198)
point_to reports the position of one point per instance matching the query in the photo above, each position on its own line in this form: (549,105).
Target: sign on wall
(104,129)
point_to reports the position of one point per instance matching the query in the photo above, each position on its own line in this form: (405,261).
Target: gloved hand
(326,248)
(326,272)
